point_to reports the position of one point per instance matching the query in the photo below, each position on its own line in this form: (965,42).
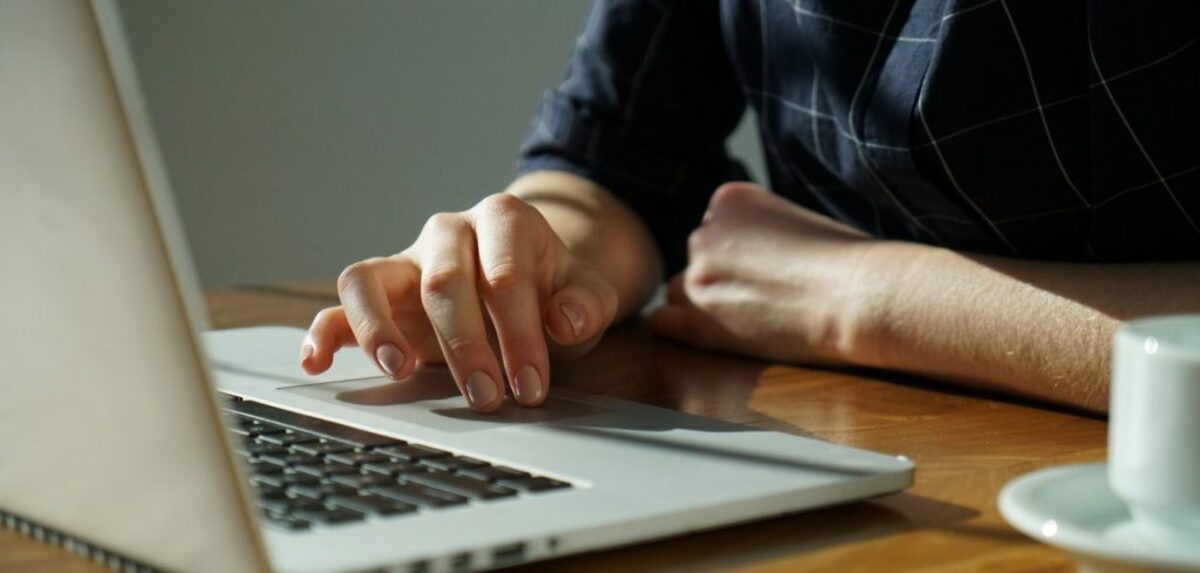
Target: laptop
(128,435)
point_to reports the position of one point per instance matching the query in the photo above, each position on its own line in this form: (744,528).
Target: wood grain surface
(966,446)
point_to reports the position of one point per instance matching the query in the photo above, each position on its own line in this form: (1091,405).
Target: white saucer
(1072,508)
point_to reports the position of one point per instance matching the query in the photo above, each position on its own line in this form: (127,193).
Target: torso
(1052,130)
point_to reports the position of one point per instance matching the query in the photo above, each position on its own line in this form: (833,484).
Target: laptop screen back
(108,428)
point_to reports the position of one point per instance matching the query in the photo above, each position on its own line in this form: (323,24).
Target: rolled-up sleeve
(649,99)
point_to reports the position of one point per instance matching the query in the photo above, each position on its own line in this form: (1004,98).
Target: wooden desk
(965,445)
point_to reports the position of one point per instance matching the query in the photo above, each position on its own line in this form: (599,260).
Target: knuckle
(504,204)
(324,315)
(460,345)
(503,276)
(367,327)
(441,280)
(698,240)
(443,221)
(354,275)
(699,275)
(730,195)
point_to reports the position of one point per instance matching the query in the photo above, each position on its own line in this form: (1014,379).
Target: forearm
(599,229)
(1034,328)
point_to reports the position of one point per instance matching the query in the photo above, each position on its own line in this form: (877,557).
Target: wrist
(873,322)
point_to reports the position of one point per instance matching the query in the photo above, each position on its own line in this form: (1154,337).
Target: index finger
(365,289)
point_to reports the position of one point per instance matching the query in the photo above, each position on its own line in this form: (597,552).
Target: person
(977,191)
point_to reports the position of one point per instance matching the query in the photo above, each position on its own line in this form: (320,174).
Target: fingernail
(529,386)
(481,389)
(574,316)
(390,358)
(306,352)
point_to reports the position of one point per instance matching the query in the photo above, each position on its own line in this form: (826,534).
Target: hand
(770,279)
(501,261)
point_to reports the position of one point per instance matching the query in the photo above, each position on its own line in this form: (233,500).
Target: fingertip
(308,361)
(390,359)
(483,392)
(316,363)
(529,389)
(488,408)
(406,371)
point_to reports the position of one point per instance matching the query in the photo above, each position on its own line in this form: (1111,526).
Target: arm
(1039,329)
(771,279)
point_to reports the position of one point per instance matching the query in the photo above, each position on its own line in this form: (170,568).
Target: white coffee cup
(1154,428)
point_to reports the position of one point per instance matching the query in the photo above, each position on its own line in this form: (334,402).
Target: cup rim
(1141,330)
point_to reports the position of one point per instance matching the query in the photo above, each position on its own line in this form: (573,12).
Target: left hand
(770,279)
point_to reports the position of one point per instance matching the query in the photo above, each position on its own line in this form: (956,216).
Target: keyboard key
(289,459)
(492,473)
(320,491)
(249,428)
(393,468)
(321,448)
(372,504)
(242,447)
(356,458)
(255,449)
(451,464)
(265,491)
(331,516)
(469,487)
(286,505)
(532,484)
(288,438)
(286,479)
(277,505)
(264,429)
(325,470)
(411,452)
(361,481)
(269,480)
(240,430)
(268,495)
(288,522)
(264,468)
(418,494)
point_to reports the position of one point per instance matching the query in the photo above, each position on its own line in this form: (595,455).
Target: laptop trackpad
(430,398)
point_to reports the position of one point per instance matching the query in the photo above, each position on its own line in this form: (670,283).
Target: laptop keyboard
(310,472)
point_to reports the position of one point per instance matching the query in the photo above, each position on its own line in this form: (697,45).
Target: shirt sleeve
(649,98)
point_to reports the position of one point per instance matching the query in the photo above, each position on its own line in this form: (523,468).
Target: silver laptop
(129,437)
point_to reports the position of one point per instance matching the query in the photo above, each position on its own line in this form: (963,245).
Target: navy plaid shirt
(1059,130)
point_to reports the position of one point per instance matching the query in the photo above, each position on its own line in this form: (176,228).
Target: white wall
(304,135)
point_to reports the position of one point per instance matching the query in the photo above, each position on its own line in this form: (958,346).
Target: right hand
(427,304)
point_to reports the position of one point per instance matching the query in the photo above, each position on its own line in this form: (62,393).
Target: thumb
(579,312)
